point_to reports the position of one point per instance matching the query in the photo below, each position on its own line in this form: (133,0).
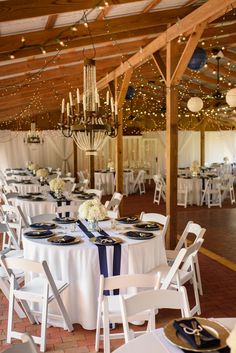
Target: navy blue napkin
(205,339)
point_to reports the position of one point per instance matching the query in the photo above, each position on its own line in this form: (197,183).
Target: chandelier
(84,118)
(33,136)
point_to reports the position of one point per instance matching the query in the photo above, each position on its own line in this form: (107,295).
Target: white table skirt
(194,186)
(108,181)
(79,266)
(155,341)
(34,208)
(24,188)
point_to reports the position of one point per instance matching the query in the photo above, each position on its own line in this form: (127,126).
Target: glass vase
(58,193)
(93,225)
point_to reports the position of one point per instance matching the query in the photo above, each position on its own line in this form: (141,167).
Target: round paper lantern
(130,93)
(195,104)
(198,59)
(231,97)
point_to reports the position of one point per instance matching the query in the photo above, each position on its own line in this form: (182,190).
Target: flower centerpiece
(28,163)
(226,160)
(93,211)
(34,167)
(57,186)
(195,168)
(111,166)
(42,174)
(231,340)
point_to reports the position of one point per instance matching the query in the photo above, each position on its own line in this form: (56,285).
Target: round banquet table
(33,208)
(79,265)
(108,180)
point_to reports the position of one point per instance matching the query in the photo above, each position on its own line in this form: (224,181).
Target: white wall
(146,150)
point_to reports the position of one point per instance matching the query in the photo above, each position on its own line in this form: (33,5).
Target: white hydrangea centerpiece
(34,166)
(92,210)
(57,184)
(226,159)
(231,340)
(42,173)
(28,163)
(195,167)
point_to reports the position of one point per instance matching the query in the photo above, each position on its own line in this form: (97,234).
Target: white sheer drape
(139,151)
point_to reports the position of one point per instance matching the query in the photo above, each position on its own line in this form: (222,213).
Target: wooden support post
(202,143)
(75,161)
(91,170)
(171,145)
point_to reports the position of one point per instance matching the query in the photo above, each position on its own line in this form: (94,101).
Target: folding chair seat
(42,290)
(147,302)
(158,218)
(180,272)
(190,229)
(109,305)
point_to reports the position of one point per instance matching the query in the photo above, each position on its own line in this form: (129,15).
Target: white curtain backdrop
(147,150)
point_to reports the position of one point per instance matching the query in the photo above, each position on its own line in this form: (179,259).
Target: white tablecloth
(79,266)
(108,181)
(194,186)
(34,208)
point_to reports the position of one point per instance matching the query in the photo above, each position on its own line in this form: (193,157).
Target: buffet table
(80,265)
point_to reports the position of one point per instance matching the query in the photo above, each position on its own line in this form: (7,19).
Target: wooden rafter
(151,5)
(160,64)
(102,14)
(51,21)
(201,14)
(187,53)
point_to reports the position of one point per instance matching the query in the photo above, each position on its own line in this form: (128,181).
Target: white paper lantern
(231,97)
(195,104)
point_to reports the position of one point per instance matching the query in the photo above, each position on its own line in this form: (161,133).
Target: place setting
(64,240)
(43,225)
(65,220)
(196,334)
(106,240)
(39,234)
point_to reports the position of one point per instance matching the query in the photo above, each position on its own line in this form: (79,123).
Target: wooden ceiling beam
(151,5)
(35,63)
(187,53)
(103,13)
(51,22)
(161,66)
(97,28)
(201,14)
(16,10)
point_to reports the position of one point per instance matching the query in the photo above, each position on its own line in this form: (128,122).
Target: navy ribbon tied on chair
(59,203)
(102,253)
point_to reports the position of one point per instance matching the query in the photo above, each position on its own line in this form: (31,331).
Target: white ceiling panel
(69,18)
(127,9)
(23,26)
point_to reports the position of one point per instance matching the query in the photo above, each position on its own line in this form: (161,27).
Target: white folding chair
(109,305)
(5,285)
(182,193)
(212,193)
(159,218)
(160,190)
(228,188)
(113,204)
(139,182)
(8,196)
(10,238)
(42,289)
(198,232)
(180,272)
(97,192)
(70,210)
(147,302)
(27,346)
(15,219)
